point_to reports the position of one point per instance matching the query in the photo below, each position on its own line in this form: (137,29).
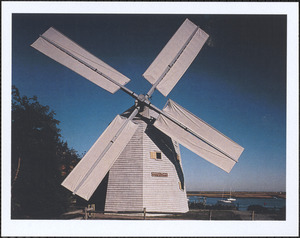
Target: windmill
(139,150)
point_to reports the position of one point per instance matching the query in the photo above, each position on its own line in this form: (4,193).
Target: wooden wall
(136,181)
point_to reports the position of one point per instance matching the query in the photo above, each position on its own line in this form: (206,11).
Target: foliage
(40,161)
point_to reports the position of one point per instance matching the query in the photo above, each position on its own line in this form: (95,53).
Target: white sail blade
(213,145)
(82,180)
(176,57)
(75,56)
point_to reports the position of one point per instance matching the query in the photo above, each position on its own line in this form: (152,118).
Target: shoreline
(226,194)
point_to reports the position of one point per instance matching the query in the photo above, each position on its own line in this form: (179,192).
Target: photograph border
(289,227)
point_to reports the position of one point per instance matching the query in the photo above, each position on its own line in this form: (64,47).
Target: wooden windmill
(139,149)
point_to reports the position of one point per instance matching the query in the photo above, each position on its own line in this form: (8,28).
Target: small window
(180,186)
(155,155)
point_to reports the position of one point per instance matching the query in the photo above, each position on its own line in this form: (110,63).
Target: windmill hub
(141,97)
(142,100)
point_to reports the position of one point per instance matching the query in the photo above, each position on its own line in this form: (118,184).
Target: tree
(40,161)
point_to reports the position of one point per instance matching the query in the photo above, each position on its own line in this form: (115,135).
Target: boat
(231,198)
(226,201)
(227,204)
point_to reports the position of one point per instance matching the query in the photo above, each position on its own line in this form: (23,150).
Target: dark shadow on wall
(165,144)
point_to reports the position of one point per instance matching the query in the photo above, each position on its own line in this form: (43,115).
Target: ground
(194,214)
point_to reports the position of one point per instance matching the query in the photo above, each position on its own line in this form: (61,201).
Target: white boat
(230,198)
(226,203)
(227,200)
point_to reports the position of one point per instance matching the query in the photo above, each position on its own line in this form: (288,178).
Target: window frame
(155,155)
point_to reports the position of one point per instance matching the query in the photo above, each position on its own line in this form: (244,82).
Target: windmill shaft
(126,90)
(151,91)
(133,114)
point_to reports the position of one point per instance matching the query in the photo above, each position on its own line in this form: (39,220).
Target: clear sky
(237,84)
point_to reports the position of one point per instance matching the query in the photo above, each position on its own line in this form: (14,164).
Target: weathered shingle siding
(161,194)
(131,186)
(125,181)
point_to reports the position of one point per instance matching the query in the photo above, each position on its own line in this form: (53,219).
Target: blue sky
(237,84)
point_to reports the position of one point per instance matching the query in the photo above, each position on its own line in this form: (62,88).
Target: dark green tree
(40,161)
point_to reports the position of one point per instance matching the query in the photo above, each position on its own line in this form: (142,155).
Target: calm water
(245,202)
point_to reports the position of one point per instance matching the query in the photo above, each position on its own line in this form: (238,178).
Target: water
(243,203)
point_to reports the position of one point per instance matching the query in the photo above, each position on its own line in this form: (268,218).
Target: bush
(40,161)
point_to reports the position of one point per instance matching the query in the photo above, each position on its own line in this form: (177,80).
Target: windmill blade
(63,50)
(174,59)
(92,168)
(198,136)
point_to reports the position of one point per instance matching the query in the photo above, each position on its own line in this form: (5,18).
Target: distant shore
(226,194)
